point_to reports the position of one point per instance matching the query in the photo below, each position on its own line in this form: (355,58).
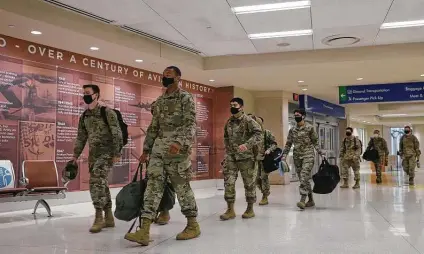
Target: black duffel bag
(326,179)
(129,201)
(371,154)
(272,160)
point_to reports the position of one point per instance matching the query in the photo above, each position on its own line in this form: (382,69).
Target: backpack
(354,140)
(123,126)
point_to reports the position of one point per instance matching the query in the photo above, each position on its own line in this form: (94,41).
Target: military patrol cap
(70,172)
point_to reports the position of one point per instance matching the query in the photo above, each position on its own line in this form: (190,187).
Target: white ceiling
(212,28)
(322,70)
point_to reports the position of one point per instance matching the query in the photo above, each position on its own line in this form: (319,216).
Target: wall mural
(40,105)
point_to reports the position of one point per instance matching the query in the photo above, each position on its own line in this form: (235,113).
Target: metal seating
(39,182)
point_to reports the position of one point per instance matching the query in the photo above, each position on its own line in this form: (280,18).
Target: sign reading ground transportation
(314,105)
(382,93)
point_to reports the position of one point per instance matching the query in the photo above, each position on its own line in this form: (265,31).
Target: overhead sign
(314,105)
(382,93)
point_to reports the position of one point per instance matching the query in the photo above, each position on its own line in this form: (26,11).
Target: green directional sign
(342,94)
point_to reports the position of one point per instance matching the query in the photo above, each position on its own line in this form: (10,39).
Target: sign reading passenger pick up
(382,93)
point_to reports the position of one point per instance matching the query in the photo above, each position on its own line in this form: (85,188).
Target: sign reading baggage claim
(382,93)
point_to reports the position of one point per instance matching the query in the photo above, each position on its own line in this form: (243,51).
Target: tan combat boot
(249,213)
(230,213)
(163,218)
(99,222)
(301,204)
(264,200)
(345,184)
(310,202)
(142,236)
(356,186)
(192,230)
(109,220)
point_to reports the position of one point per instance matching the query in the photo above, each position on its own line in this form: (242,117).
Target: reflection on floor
(388,218)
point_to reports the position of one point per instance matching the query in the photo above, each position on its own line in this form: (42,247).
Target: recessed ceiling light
(17,46)
(36,32)
(304,89)
(11,26)
(402,24)
(211,80)
(280,34)
(364,121)
(139,60)
(94,48)
(300,81)
(272,7)
(359,79)
(422,75)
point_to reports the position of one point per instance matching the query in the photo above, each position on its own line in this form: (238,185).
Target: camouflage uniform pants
(262,180)
(99,183)
(378,164)
(179,173)
(304,170)
(248,170)
(346,164)
(409,164)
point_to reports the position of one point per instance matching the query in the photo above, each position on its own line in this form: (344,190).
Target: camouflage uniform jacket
(409,146)
(102,139)
(380,145)
(305,141)
(269,143)
(351,149)
(238,131)
(174,121)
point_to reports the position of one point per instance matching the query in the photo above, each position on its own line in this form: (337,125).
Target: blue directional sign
(382,93)
(314,105)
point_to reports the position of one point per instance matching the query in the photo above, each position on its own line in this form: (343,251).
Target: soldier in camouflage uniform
(410,153)
(164,216)
(241,135)
(380,145)
(167,146)
(266,147)
(105,144)
(350,154)
(305,140)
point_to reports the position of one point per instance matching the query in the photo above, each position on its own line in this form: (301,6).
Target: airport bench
(39,182)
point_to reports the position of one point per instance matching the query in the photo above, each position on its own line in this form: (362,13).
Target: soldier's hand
(116,159)
(174,148)
(267,152)
(242,148)
(284,158)
(144,157)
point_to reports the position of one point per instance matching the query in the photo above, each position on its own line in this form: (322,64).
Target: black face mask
(234,110)
(407,131)
(348,134)
(167,81)
(298,119)
(88,99)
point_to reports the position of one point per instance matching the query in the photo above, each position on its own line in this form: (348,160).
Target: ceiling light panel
(276,21)
(271,7)
(280,34)
(402,24)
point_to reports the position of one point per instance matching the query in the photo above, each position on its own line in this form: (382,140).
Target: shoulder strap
(103,114)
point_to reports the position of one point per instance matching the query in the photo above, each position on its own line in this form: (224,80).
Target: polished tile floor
(375,219)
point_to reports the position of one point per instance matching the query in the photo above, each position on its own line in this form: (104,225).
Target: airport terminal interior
(338,84)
